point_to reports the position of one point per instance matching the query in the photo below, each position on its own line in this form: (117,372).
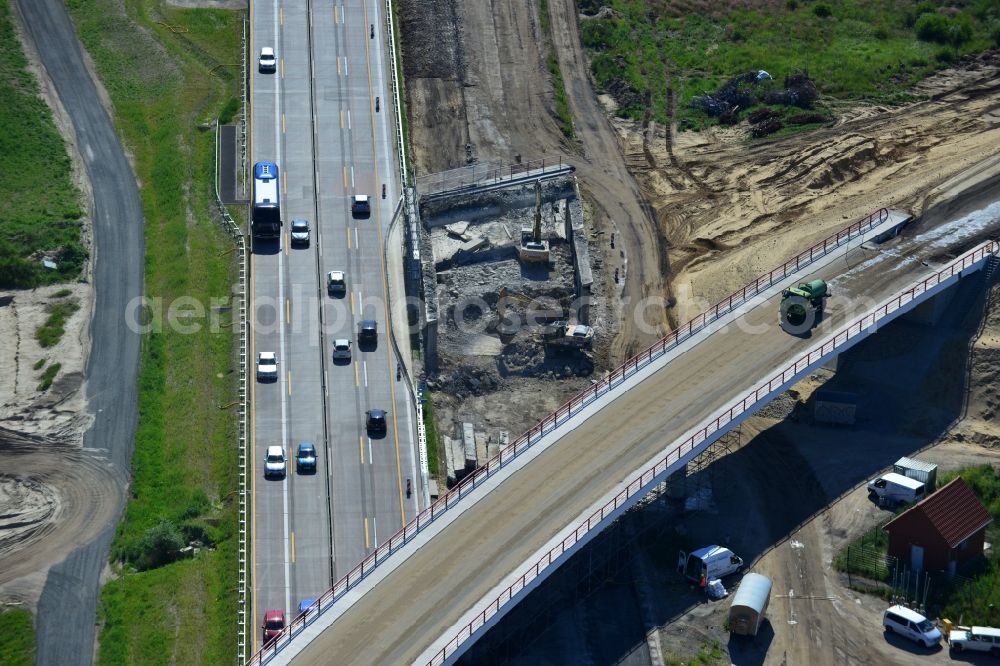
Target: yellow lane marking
(345,176)
(367,540)
(282,68)
(338,65)
(289,382)
(352,293)
(348,238)
(357,376)
(361,448)
(293,546)
(341,119)
(282,123)
(286,245)
(284,182)
(288,311)
(281,15)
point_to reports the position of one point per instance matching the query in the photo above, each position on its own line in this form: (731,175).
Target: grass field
(161,67)
(852,49)
(17,637)
(42,207)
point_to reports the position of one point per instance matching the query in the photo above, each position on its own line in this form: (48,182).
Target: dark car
(368,331)
(375,421)
(305,457)
(274,622)
(300,232)
(361,206)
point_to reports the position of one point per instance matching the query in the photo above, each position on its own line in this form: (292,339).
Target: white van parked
(911,624)
(895,488)
(710,562)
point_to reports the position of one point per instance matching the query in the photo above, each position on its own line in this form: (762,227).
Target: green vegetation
(17,637)
(62,293)
(852,50)
(170,71)
(558,86)
(39,364)
(710,653)
(49,376)
(41,205)
(977,601)
(50,333)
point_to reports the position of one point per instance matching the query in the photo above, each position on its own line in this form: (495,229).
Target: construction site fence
(609,382)
(487,173)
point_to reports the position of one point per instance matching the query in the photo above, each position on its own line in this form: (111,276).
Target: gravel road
(66,610)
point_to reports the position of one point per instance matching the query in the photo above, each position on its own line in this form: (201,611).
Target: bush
(49,376)
(943,30)
(229,111)
(792,5)
(159,546)
(51,332)
(823,10)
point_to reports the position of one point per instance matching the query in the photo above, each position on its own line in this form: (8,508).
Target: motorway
(315,117)
(421,600)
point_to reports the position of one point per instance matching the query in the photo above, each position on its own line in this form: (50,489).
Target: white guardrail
(239,240)
(394,82)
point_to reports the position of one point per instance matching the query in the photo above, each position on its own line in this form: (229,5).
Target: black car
(305,457)
(375,421)
(368,331)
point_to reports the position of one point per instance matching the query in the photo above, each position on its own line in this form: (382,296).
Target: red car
(274,622)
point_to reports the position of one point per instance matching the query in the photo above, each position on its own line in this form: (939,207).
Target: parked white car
(976,639)
(267,366)
(911,624)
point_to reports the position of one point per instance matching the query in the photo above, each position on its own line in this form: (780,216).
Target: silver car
(274,462)
(300,232)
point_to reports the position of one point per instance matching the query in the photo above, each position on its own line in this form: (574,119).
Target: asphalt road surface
(316,118)
(422,598)
(67,607)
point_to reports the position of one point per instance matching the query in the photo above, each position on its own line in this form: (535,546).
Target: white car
(274,461)
(976,639)
(342,349)
(267,366)
(267,62)
(336,282)
(911,624)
